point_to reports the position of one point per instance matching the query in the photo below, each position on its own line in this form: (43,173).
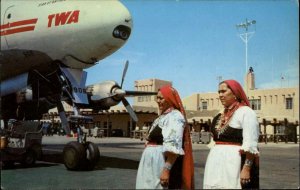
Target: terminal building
(277,110)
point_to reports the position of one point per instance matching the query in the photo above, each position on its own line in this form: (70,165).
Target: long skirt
(150,168)
(223,167)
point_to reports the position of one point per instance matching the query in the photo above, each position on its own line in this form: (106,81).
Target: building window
(265,99)
(289,103)
(98,124)
(255,104)
(148,98)
(280,129)
(204,105)
(140,99)
(107,124)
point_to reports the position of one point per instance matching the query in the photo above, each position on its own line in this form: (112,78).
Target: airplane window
(9,16)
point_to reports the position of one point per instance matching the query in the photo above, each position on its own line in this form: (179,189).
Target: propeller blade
(129,109)
(139,93)
(124,72)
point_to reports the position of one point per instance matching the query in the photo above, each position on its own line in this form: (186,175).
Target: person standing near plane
(167,161)
(232,162)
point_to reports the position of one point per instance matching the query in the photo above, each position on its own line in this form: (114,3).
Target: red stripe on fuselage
(18,23)
(17,30)
(10,28)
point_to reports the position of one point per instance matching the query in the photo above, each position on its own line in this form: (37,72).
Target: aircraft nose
(103,28)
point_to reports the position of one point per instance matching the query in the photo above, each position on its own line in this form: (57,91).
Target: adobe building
(277,109)
(278,103)
(151,85)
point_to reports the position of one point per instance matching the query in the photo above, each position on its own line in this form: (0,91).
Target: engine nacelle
(104,95)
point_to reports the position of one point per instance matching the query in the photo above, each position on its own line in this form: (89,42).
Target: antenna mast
(245,36)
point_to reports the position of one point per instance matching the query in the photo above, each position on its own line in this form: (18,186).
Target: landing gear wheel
(29,158)
(73,155)
(92,156)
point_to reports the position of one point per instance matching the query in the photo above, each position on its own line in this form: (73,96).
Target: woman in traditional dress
(167,160)
(232,162)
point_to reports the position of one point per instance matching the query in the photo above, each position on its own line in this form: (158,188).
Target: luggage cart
(205,137)
(97,132)
(195,137)
(21,142)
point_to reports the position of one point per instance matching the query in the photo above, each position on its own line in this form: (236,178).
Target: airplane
(45,47)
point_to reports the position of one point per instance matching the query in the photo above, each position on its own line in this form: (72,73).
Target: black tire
(74,155)
(92,156)
(29,158)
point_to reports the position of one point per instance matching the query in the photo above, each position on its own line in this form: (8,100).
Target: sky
(194,43)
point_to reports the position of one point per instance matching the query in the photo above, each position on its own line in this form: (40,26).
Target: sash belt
(228,143)
(153,143)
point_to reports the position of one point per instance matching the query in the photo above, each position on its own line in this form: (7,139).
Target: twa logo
(63,18)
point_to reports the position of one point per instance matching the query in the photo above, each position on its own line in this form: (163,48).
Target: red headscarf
(173,98)
(241,100)
(237,90)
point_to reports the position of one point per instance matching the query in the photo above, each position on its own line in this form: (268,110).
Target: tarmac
(117,167)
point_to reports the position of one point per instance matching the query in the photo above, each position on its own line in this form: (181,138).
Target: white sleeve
(250,127)
(173,133)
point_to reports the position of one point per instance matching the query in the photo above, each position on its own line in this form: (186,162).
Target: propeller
(124,72)
(129,109)
(139,93)
(122,93)
(110,93)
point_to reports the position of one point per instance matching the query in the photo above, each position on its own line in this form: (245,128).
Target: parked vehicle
(21,142)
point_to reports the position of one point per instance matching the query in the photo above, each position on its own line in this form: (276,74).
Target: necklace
(224,119)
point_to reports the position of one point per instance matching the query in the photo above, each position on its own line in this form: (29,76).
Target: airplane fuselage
(46,45)
(77,33)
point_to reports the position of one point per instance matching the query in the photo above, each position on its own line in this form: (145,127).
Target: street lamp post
(245,36)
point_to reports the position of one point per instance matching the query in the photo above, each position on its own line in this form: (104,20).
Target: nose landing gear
(80,154)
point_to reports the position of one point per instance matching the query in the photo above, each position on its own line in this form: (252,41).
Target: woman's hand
(165,174)
(245,175)
(164,177)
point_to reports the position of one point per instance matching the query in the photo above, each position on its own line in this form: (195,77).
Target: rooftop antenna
(245,34)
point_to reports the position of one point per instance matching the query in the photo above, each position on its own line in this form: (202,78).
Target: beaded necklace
(222,123)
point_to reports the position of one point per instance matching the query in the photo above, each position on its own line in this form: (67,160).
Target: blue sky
(192,42)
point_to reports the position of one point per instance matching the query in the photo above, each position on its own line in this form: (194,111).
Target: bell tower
(250,80)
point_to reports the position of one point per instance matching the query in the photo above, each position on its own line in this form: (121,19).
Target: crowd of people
(49,129)
(232,163)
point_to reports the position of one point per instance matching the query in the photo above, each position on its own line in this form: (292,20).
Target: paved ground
(118,165)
